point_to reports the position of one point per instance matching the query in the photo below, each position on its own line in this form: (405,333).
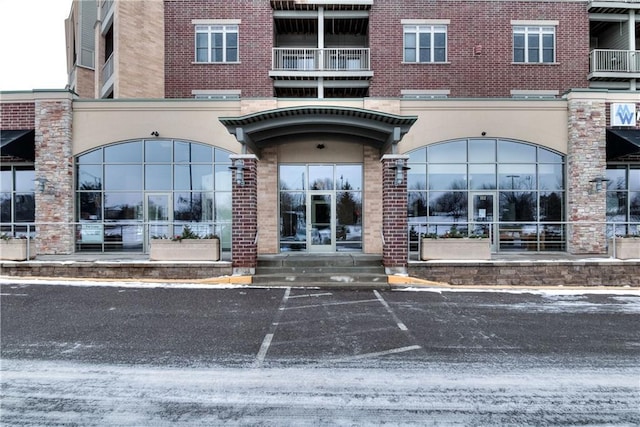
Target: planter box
(455,249)
(626,248)
(185,250)
(16,249)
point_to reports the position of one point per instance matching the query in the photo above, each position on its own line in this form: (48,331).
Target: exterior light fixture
(155,133)
(238,166)
(400,167)
(42,183)
(597,183)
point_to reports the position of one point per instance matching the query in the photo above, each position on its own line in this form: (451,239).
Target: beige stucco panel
(539,122)
(97,123)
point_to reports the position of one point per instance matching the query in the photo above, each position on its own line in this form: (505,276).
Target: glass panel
(634,179)
(546,156)
(482,177)
(193,177)
(292,177)
(517,206)
(25,180)
(517,177)
(92,157)
(158,151)
(89,177)
(617,206)
(5,207)
(223,206)
(410,48)
(130,152)
(158,177)
(447,210)
(122,206)
(483,214)
(552,206)
(450,152)
(482,151)
(417,205)
(24,208)
(349,218)
(447,177)
(193,206)
(417,177)
(6,180)
(123,177)
(440,51)
(321,177)
(533,48)
(223,178)
(293,219)
(222,156)
(158,210)
(551,177)
(349,177)
(321,216)
(514,152)
(90,205)
(518,47)
(418,156)
(617,179)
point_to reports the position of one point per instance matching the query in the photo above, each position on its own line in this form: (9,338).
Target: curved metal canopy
(262,129)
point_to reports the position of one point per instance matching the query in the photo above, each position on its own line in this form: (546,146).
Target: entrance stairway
(336,270)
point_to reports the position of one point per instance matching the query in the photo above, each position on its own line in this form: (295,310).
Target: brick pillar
(54,169)
(586,160)
(244,206)
(394,216)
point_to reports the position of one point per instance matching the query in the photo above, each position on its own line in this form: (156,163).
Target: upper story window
(534,43)
(425,42)
(217,43)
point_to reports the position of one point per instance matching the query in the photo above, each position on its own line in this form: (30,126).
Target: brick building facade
(507,117)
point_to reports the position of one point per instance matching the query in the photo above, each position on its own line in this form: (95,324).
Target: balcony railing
(615,63)
(311,59)
(107,70)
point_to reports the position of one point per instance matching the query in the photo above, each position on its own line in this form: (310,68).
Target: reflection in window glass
(89,177)
(193,206)
(123,177)
(451,152)
(222,156)
(25,180)
(482,151)
(349,177)
(130,152)
(546,156)
(447,177)
(448,206)
(118,206)
(551,177)
(90,205)
(5,207)
(552,206)
(417,177)
(24,208)
(515,152)
(157,177)
(482,177)
(617,179)
(158,151)
(517,206)
(417,205)
(292,177)
(517,177)
(92,157)
(321,177)
(223,206)
(617,206)
(634,179)
(6,180)
(193,178)
(223,178)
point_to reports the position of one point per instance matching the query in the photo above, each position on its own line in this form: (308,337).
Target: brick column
(394,216)
(54,176)
(244,206)
(586,160)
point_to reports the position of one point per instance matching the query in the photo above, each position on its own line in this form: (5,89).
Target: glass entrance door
(483,208)
(320,227)
(158,215)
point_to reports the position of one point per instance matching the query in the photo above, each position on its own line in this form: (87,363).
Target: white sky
(32,44)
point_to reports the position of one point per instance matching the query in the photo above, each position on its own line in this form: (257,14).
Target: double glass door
(320,222)
(482,221)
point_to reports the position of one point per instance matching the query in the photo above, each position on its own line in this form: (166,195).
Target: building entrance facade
(320,207)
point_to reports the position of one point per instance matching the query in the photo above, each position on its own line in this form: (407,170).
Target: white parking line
(386,305)
(266,342)
(324,294)
(378,353)
(330,304)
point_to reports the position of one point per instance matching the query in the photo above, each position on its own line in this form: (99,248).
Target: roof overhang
(258,130)
(622,142)
(19,144)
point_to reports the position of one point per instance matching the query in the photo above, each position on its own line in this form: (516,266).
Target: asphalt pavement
(209,355)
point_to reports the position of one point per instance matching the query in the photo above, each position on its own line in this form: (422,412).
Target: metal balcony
(313,62)
(610,63)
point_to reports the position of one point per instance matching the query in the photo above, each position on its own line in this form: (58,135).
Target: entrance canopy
(18,144)
(622,142)
(258,130)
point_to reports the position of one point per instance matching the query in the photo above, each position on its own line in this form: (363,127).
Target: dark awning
(376,128)
(18,143)
(622,142)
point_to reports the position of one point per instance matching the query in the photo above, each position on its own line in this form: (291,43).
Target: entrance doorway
(320,207)
(482,216)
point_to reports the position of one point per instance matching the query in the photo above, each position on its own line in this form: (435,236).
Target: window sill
(215,63)
(426,63)
(535,63)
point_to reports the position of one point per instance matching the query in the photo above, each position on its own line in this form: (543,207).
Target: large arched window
(510,190)
(623,199)
(130,192)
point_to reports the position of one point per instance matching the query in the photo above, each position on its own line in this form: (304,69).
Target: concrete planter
(479,249)
(16,249)
(185,250)
(626,248)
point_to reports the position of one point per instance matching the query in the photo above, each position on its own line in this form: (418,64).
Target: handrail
(314,59)
(614,61)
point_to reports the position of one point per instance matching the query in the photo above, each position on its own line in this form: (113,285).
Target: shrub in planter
(188,246)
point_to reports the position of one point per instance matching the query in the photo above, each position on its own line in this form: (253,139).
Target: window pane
(417,177)
(514,152)
(130,152)
(321,177)
(193,206)
(617,206)
(123,177)
(418,156)
(123,206)
(5,207)
(518,47)
(158,151)
(293,220)
(410,48)
(546,156)
(533,48)
(417,205)
(222,156)
(193,177)
(517,206)
(292,177)
(447,177)
(25,180)
(6,180)
(349,177)
(451,152)
(446,209)
(349,208)
(551,177)
(158,177)
(517,177)
(89,177)
(482,151)
(551,206)
(90,205)
(223,178)
(634,179)
(223,206)
(92,157)
(232,55)
(25,208)
(482,177)
(617,179)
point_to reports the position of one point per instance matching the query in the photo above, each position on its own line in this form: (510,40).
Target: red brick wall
(251,75)
(244,207)
(17,116)
(478,23)
(394,217)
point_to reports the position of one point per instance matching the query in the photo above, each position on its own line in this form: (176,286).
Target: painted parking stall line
(266,342)
(386,305)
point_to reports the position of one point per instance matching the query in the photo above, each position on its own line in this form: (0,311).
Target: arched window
(129,192)
(512,190)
